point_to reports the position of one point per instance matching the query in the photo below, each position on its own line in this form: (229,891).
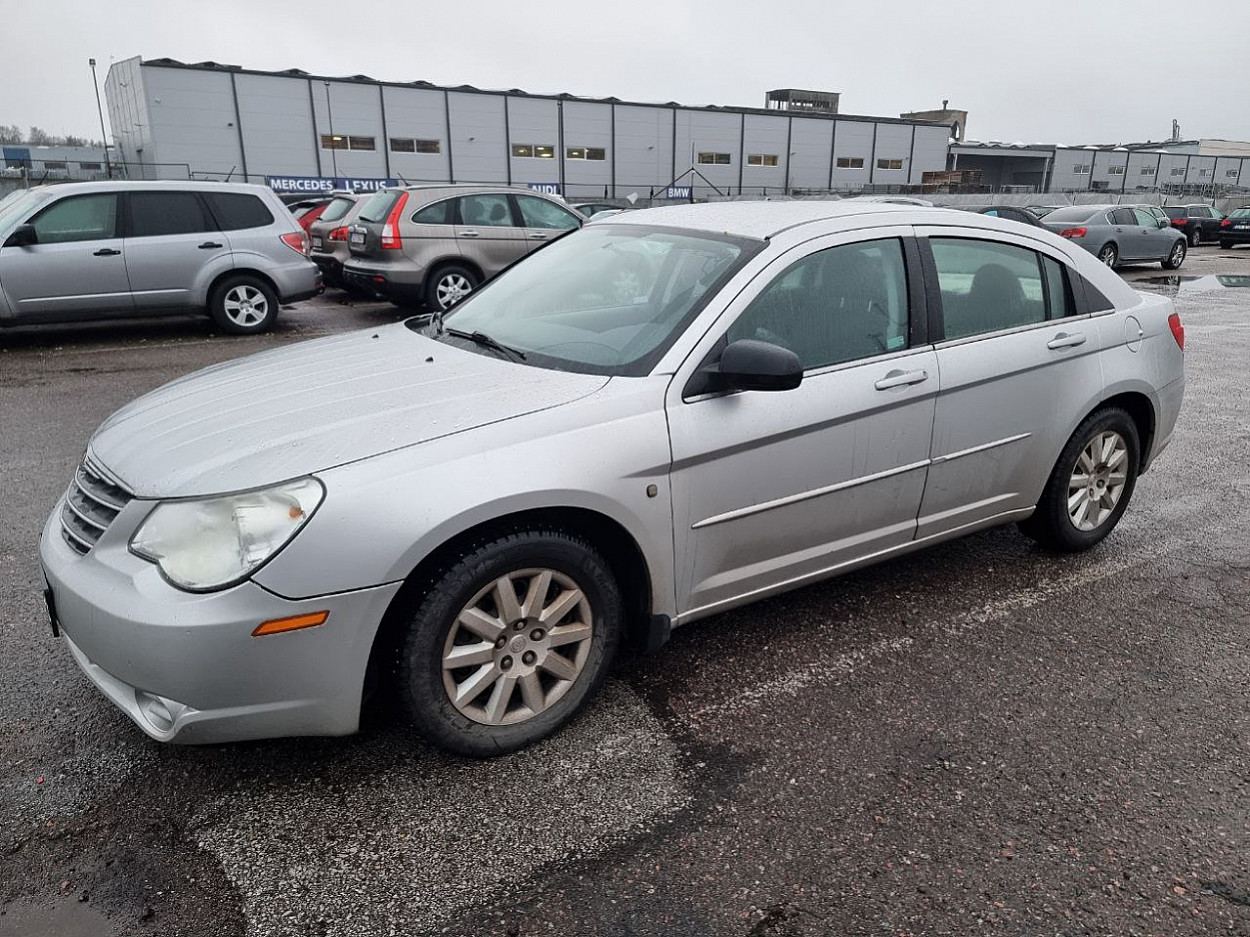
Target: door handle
(210,245)
(106,252)
(538,237)
(469,234)
(1064,340)
(901,379)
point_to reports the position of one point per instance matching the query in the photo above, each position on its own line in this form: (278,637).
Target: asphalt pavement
(979,738)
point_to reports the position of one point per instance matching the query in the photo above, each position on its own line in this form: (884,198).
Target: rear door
(170,239)
(1127,235)
(488,232)
(544,219)
(78,266)
(1017,368)
(1156,242)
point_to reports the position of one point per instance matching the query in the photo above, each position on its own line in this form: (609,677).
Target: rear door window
(1123,216)
(78,218)
(486,211)
(987,286)
(1144,218)
(235,211)
(438,213)
(153,214)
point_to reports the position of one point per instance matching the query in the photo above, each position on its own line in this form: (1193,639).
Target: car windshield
(1075,213)
(1240,213)
(17,204)
(609,299)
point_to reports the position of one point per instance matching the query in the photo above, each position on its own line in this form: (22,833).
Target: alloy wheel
(1108,255)
(246,306)
(452,288)
(1178,254)
(517,647)
(1097,481)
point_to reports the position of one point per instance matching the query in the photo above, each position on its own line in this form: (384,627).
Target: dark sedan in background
(1010,212)
(1118,234)
(1235,229)
(1197,222)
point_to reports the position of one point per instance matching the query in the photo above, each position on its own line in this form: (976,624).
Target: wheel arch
(240,271)
(607,535)
(455,260)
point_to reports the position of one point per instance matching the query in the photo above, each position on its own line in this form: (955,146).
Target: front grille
(91,504)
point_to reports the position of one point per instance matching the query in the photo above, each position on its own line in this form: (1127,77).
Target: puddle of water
(68,919)
(1196,284)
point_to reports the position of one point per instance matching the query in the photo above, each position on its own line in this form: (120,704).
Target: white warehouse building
(296,130)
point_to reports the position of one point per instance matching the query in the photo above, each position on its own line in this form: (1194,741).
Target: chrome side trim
(981,448)
(806,495)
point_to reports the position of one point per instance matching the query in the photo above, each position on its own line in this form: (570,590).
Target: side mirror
(748,364)
(23,236)
(1165,223)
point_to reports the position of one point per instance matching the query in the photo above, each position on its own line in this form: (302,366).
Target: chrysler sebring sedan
(649,421)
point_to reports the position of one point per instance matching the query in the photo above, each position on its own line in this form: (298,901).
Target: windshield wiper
(481,338)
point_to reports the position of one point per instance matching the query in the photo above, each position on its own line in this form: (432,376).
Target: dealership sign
(321,184)
(677,191)
(547,188)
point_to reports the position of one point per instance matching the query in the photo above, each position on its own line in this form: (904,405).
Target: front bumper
(185,667)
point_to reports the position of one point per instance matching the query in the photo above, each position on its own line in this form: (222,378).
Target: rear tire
(1109,255)
(1090,486)
(516,685)
(243,305)
(1226,245)
(449,285)
(1195,236)
(1175,257)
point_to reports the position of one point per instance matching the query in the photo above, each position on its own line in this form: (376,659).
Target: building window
(1148,170)
(762,159)
(338,141)
(850,162)
(534,150)
(55,164)
(409,145)
(1115,170)
(91,167)
(1230,173)
(586,152)
(1178,170)
(714,159)
(1081,169)
(1201,172)
(889,164)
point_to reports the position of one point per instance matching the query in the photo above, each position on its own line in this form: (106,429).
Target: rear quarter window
(235,211)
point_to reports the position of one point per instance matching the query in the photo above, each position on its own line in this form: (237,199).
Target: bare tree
(70,140)
(10,133)
(39,137)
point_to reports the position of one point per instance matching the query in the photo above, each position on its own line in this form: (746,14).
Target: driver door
(774,488)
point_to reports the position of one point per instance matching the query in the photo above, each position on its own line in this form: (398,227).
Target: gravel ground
(980,737)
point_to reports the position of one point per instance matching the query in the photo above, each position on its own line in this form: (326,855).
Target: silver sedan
(1118,234)
(659,417)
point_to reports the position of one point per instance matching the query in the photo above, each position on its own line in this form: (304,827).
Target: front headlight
(205,545)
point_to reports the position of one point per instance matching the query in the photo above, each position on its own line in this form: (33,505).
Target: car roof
(765,219)
(129,185)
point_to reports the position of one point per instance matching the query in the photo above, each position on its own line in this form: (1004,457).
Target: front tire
(1109,255)
(1226,245)
(243,305)
(1091,485)
(508,642)
(448,286)
(1175,257)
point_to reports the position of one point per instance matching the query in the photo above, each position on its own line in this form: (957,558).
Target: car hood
(292,411)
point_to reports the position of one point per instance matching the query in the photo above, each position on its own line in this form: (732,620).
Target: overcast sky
(1055,71)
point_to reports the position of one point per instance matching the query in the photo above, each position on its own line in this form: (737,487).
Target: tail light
(297,241)
(390,230)
(338,234)
(1226,223)
(1178,330)
(1180,222)
(1074,232)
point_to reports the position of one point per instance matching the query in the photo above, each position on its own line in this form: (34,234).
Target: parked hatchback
(1235,229)
(1120,234)
(328,236)
(437,243)
(96,250)
(478,510)
(1198,223)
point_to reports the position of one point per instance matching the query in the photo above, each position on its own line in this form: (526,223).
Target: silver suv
(436,243)
(97,250)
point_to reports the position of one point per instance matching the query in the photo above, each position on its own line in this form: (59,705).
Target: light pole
(334,158)
(108,165)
